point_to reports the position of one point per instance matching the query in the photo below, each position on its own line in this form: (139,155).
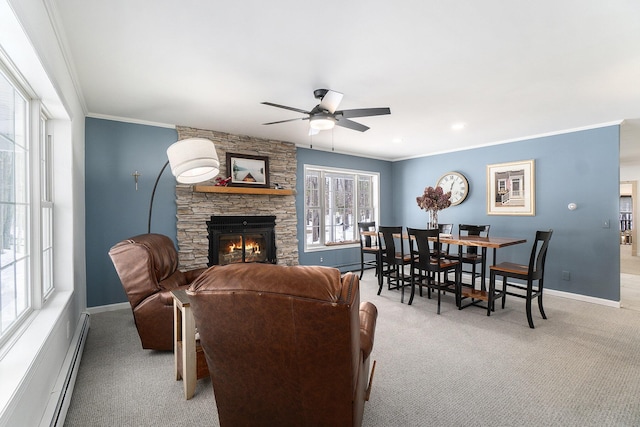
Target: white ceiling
(508,69)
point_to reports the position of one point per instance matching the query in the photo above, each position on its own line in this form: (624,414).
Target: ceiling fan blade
(284,121)
(285,107)
(331,100)
(364,112)
(346,123)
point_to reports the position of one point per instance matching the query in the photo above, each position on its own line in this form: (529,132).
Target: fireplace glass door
(245,247)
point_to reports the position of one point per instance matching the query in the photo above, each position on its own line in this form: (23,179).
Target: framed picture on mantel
(248,171)
(511,188)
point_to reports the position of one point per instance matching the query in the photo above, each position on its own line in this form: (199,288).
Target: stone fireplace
(195,208)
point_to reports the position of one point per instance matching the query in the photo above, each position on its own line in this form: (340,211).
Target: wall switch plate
(566,275)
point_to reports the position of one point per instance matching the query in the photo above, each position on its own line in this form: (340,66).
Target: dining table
(483,243)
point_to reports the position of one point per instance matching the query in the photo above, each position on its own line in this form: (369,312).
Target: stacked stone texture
(194,209)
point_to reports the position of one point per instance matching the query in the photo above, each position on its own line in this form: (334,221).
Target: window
(46,207)
(335,201)
(25,282)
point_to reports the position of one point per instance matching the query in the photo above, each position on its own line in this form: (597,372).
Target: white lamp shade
(193,160)
(322,122)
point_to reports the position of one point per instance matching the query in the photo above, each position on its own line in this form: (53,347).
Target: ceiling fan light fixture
(322,122)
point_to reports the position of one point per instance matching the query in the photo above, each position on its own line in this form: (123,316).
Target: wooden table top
(487,242)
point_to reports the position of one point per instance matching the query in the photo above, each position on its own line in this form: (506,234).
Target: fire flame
(250,247)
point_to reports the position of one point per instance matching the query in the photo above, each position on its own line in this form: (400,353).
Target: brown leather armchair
(148,269)
(285,345)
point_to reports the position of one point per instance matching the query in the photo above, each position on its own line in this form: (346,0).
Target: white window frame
(316,205)
(37,166)
(46,207)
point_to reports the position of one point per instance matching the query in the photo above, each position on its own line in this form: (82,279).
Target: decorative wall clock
(457,184)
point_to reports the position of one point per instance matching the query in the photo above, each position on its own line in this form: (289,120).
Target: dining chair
(393,259)
(428,262)
(470,254)
(368,247)
(445,229)
(534,271)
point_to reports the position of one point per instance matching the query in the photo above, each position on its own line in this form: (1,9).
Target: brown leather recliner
(285,345)
(148,269)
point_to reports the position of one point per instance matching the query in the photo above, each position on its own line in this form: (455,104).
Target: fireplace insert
(235,239)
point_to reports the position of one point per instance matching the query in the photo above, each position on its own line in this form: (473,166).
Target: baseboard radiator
(67,378)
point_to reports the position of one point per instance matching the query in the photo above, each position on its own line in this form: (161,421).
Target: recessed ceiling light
(458,126)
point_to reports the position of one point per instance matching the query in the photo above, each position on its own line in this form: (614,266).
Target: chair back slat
(473,230)
(388,242)
(539,254)
(366,241)
(425,253)
(445,229)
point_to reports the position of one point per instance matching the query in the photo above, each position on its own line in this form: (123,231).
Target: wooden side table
(184,346)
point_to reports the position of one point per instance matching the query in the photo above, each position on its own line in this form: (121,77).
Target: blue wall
(345,259)
(580,167)
(114,209)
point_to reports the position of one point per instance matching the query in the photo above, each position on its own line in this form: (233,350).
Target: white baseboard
(60,399)
(109,307)
(563,294)
(585,298)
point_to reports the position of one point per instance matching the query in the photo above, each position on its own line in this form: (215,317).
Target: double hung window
(26,209)
(335,201)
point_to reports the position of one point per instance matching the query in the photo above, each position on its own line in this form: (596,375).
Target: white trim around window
(335,200)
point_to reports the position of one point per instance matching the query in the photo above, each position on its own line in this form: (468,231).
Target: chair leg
(491,294)
(413,284)
(504,290)
(529,298)
(361,264)
(458,285)
(401,284)
(438,284)
(379,268)
(544,316)
(540,284)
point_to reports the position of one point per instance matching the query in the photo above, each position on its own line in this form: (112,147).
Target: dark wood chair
(393,259)
(428,262)
(368,247)
(469,254)
(445,229)
(530,273)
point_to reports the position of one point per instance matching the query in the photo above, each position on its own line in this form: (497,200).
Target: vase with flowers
(432,201)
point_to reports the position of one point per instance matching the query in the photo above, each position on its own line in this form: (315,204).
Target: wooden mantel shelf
(242,190)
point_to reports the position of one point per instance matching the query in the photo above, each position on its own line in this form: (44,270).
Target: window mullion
(35,133)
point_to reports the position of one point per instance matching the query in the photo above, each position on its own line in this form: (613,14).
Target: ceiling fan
(326,115)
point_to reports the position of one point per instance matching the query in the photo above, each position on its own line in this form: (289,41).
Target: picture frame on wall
(511,188)
(248,171)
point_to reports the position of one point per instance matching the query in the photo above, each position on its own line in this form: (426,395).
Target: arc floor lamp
(192,160)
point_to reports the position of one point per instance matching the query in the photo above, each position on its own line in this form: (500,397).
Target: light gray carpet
(581,367)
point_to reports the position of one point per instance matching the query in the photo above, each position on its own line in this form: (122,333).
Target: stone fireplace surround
(194,209)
